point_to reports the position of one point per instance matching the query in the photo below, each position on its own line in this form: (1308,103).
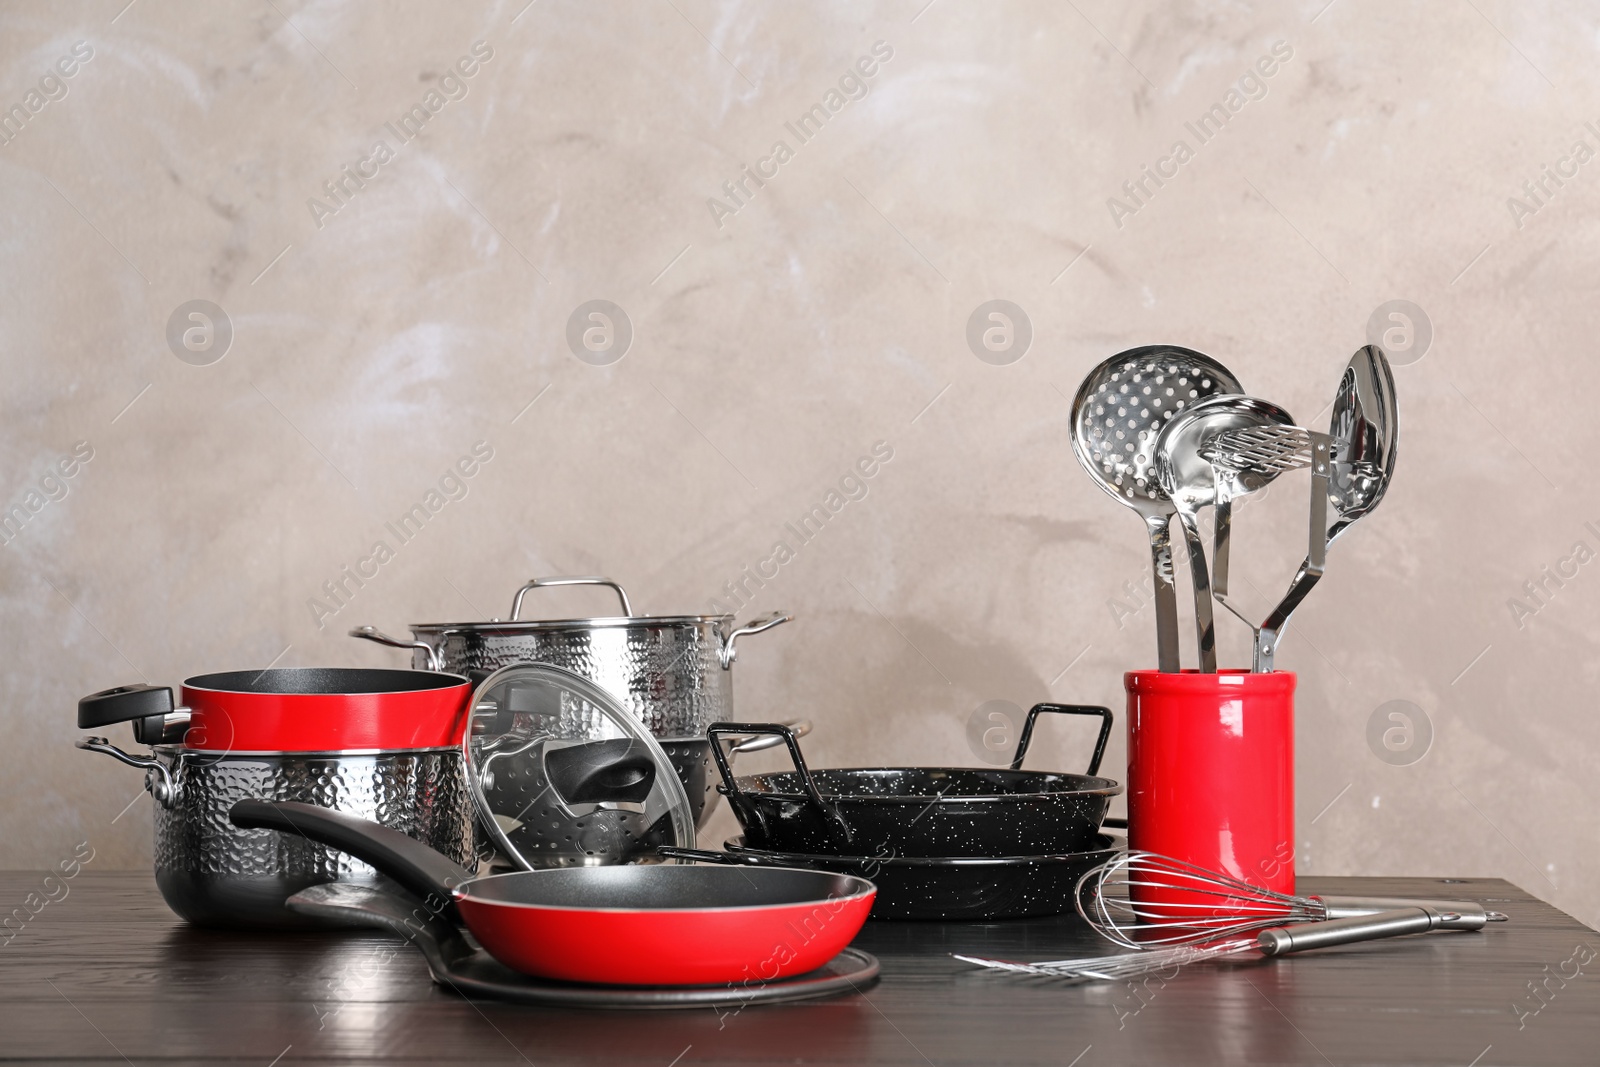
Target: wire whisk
(1138,899)
(1141,899)
(1120,968)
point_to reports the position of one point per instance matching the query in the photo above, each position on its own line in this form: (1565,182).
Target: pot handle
(373,634)
(727,653)
(418,868)
(760,742)
(546,583)
(157,775)
(731,785)
(148,707)
(1106,718)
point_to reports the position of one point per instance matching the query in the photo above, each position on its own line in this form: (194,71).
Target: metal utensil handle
(1458,914)
(1164,593)
(1301,936)
(727,653)
(1106,719)
(373,634)
(1222,532)
(1310,571)
(731,785)
(1200,576)
(585,579)
(798,727)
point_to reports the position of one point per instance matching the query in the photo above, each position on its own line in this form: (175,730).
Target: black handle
(1106,719)
(123,704)
(731,788)
(417,868)
(596,772)
(368,907)
(499,716)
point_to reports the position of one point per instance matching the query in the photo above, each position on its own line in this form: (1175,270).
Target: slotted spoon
(1117,415)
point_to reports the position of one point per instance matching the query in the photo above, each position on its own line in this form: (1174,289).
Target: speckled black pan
(921,811)
(949,888)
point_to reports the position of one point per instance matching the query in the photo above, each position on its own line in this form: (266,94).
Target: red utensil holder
(1211,771)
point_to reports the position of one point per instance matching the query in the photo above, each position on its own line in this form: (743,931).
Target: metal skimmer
(1116,416)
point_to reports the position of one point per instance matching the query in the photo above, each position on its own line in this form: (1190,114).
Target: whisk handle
(1301,936)
(1456,914)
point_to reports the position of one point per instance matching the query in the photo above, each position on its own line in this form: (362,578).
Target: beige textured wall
(773,345)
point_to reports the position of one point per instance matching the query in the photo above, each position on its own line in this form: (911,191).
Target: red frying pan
(662,924)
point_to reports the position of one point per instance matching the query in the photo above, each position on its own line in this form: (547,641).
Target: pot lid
(563,775)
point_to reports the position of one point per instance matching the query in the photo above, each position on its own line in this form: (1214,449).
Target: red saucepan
(376,743)
(658,924)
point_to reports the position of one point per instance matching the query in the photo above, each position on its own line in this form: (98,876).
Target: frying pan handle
(414,865)
(367,907)
(731,786)
(1106,718)
(587,579)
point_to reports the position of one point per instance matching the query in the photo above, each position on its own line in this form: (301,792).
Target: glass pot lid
(563,775)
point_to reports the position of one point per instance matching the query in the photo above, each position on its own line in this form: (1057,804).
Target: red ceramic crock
(1211,771)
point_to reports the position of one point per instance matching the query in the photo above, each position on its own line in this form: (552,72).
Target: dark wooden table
(108,975)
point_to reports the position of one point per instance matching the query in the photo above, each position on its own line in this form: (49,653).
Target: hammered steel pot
(673,672)
(215,874)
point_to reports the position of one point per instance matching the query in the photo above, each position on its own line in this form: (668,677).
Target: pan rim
(736,846)
(868,890)
(1111,788)
(404,682)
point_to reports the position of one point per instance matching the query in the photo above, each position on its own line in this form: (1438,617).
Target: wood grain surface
(108,975)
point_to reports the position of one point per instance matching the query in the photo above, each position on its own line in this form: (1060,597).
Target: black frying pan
(922,811)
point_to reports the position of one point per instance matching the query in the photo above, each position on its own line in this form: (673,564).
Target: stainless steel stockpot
(378,744)
(673,672)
